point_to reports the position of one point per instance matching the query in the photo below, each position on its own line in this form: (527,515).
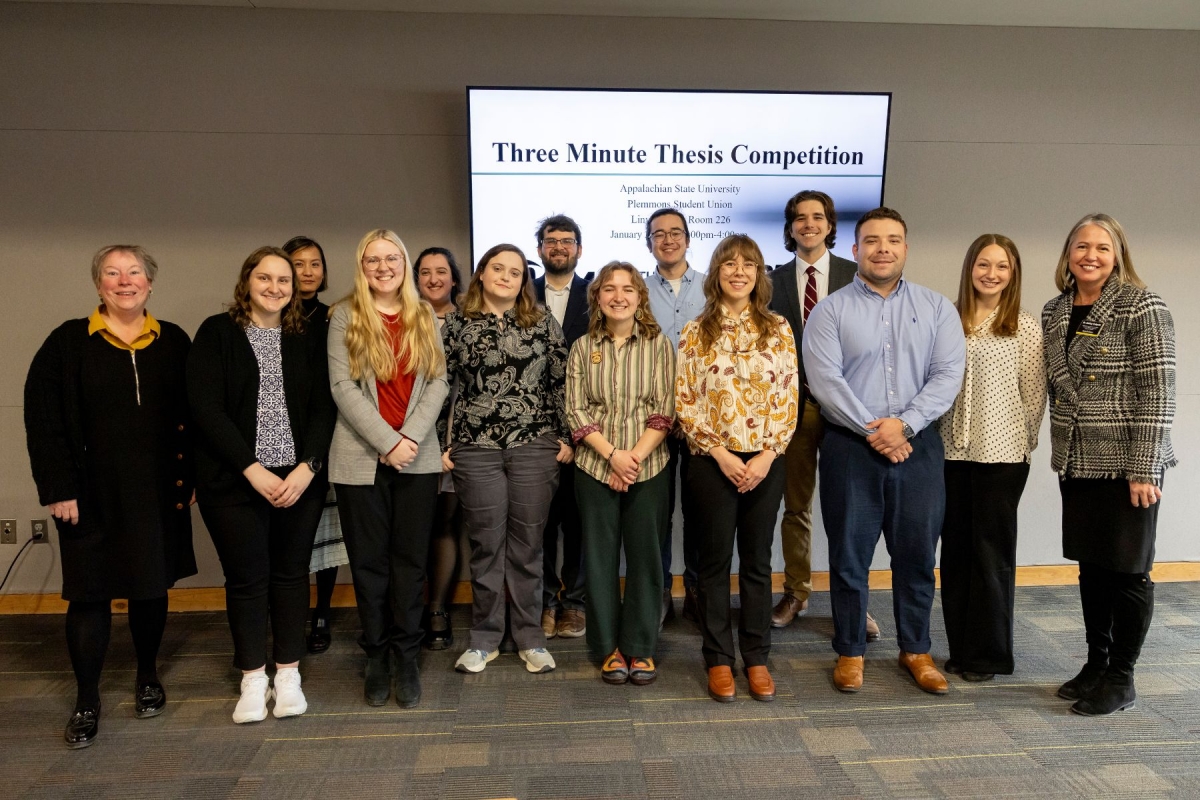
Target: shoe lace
(287,679)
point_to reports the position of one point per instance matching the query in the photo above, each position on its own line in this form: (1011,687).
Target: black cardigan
(222,383)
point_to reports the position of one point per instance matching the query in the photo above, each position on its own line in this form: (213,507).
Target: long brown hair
(527,310)
(766,321)
(292,318)
(368,342)
(647,326)
(1005,323)
(1123,271)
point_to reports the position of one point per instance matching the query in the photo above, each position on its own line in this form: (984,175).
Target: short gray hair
(137,251)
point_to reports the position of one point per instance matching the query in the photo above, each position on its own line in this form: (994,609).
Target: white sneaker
(256,691)
(289,697)
(537,660)
(474,660)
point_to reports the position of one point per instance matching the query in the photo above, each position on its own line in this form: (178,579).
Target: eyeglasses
(558,242)
(372,263)
(730,268)
(675,235)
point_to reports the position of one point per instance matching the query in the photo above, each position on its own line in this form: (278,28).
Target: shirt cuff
(659,422)
(581,434)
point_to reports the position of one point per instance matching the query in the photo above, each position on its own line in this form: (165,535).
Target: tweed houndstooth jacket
(1112,397)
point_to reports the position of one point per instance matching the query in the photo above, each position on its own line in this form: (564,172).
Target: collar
(606,335)
(686,277)
(151,330)
(822,264)
(866,289)
(742,317)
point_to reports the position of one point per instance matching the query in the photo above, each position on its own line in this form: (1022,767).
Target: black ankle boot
(378,683)
(1114,693)
(1085,682)
(408,684)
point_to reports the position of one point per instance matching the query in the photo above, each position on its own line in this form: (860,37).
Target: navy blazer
(575,321)
(785,294)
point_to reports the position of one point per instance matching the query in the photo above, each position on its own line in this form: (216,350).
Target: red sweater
(395,394)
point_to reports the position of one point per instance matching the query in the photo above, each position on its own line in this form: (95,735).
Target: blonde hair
(367,340)
(1123,271)
(1006,321)
(709,320)
(643,320)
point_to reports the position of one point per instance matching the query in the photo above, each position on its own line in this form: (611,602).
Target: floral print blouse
(734,395)
(510,379)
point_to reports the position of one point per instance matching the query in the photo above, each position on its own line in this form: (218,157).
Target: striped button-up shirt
(620,392)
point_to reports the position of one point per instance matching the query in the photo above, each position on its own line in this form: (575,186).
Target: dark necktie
(810,292)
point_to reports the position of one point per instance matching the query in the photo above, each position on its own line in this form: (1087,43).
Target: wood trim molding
(213,598)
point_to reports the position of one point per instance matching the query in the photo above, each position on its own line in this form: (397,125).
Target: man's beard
(566,269)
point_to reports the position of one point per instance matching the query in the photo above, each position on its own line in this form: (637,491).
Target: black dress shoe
(439,635)
(149,700)
(82,727)
(1108,697)
(321,636)
(953,667)
(378,683)
(408,684)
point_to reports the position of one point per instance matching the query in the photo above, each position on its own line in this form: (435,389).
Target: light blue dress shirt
(674,311)
(867,357)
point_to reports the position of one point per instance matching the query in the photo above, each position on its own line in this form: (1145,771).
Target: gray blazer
(361,435)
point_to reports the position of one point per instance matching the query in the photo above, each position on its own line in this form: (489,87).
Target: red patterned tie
(810,292)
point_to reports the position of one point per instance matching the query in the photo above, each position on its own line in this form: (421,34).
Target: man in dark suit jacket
(565,294)
(809,230)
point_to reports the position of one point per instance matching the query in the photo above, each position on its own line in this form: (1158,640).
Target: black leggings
(89,625)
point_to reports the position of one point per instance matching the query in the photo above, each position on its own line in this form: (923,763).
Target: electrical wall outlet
(8,531)
(37,530)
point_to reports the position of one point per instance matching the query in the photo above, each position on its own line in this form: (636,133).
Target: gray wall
(203,133)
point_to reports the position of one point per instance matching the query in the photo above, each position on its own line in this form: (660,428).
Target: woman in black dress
(1110,359)
(109,437)
(329,548)
(258,385)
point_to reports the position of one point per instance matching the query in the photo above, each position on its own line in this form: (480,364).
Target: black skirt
(1100,525)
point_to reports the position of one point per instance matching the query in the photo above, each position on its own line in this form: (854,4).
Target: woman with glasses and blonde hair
(621,404)
(388,374)
(1110,360)
(259,391)
(509,435)
(988,434)
(737,398)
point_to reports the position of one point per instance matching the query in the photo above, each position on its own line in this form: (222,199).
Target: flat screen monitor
(727,161)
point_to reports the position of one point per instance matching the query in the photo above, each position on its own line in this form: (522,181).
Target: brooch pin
(596,357)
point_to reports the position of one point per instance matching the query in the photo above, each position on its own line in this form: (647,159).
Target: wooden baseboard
(213,598)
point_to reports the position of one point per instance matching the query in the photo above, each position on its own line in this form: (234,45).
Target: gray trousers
(505,499)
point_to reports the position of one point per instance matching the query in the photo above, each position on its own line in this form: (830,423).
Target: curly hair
(647,326)
(293,314)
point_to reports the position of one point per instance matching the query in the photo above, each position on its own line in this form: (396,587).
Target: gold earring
(638,315)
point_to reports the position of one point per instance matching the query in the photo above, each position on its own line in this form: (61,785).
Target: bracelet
(613,453)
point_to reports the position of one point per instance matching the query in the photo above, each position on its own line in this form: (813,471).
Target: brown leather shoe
(872,628)
(550,622)
(761,686)
(787,609)
(720,684)
(848,674)
(924,672)
(572,623)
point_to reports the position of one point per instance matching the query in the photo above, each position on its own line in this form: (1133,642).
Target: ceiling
(1160,14)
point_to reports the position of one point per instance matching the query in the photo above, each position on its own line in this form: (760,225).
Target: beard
(566,268)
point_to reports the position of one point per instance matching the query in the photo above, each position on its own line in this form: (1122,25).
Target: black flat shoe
(977,677)
(953,667)
(82,728)
(439,635)
(408,684)
(321,637)
(377,686)
(149,700)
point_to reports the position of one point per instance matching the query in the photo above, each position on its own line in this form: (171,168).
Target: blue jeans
(863,494)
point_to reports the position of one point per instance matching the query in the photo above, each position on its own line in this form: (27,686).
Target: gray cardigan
(361,434)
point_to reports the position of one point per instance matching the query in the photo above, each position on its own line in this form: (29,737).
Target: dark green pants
(636,519)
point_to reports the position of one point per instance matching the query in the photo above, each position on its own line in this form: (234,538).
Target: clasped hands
(888,439)
(624,466)
(745,475)
(279,492)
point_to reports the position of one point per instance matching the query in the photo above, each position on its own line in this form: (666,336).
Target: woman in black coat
(258,385)
(109,438)
(1110,360)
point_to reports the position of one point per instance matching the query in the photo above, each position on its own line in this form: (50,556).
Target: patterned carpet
(506,733)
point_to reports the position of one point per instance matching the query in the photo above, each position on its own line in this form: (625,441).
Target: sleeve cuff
(659,422)
(581,434)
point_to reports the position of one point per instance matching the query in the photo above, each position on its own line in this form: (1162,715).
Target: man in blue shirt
(884,358)
(676,298)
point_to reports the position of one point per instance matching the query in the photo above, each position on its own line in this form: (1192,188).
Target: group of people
(522,409)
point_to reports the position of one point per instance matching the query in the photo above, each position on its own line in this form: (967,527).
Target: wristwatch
(315,464)
(908,431)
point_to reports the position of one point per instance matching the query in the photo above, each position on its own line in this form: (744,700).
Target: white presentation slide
(727,161)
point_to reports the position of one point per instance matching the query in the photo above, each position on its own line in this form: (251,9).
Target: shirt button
(889,369)
(180,427)
(179,483)
(179,506)
(179,456)
(1091,377)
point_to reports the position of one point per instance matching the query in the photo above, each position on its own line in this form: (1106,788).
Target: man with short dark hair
(809,231)
(564,293)
(676,298)
(884,358)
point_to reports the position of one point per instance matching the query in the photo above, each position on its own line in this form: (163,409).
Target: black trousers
(264,552)
(563,589)
(979,560)
(724,517)
(386,527)
(681,458)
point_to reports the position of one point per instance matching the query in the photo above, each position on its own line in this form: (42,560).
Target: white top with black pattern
(273,442)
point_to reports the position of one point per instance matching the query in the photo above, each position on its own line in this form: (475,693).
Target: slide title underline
(681,174)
